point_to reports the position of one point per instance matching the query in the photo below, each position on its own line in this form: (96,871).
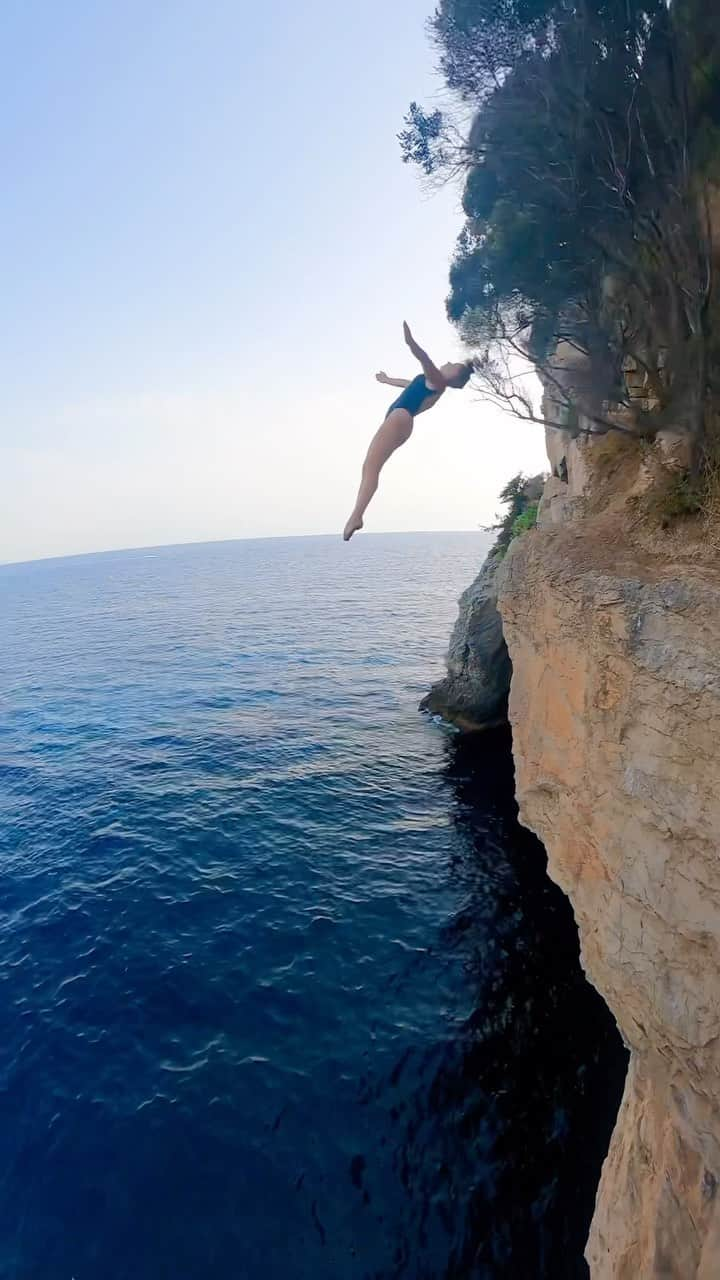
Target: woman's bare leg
(395,430)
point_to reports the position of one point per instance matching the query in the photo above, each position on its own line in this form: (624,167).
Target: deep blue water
(284,990)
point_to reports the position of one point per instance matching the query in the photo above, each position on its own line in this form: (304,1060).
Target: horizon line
(210,542)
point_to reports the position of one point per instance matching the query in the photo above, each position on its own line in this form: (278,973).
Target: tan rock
(557,442)
(615,706)
(555,503)
(658,1213)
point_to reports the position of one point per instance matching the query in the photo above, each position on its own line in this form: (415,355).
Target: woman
(422,393)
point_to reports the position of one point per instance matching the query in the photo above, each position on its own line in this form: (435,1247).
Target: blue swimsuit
(413,396)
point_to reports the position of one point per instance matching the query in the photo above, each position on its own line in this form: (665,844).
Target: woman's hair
(462,378)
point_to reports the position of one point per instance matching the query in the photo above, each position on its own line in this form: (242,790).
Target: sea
(285,991)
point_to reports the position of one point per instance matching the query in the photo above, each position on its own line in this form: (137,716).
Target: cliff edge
(613,628)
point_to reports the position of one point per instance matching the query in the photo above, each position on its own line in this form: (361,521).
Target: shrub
(526,520)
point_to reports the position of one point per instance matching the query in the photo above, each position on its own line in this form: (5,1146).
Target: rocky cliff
(614,634)
(474,693)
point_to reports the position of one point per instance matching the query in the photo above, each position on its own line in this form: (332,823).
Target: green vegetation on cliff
(522,498)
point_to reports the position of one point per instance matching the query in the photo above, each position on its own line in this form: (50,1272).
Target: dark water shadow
(501,1146)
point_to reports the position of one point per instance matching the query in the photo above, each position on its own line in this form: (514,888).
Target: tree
(587,216)
(481,41)
(521,496)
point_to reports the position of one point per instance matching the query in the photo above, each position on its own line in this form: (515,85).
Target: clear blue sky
(209,244)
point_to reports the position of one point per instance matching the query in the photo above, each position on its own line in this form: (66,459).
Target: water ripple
(286,992)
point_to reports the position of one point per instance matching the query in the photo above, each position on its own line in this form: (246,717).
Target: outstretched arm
(392,382)
(433,376)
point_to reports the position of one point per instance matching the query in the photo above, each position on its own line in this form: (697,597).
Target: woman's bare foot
(352,526)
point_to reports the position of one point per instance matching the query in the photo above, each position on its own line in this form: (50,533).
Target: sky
(209,244)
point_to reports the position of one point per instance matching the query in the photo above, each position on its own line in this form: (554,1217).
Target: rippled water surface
(284,991)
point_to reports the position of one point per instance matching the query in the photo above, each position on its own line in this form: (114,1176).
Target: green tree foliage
(526,521)
(698,23)
(480,41)
(422,141)
(586,221)
(521,513)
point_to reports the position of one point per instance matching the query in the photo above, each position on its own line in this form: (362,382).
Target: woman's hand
(433,376)
(381,377)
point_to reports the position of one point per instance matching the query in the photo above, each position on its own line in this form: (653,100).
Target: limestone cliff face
(614,636)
